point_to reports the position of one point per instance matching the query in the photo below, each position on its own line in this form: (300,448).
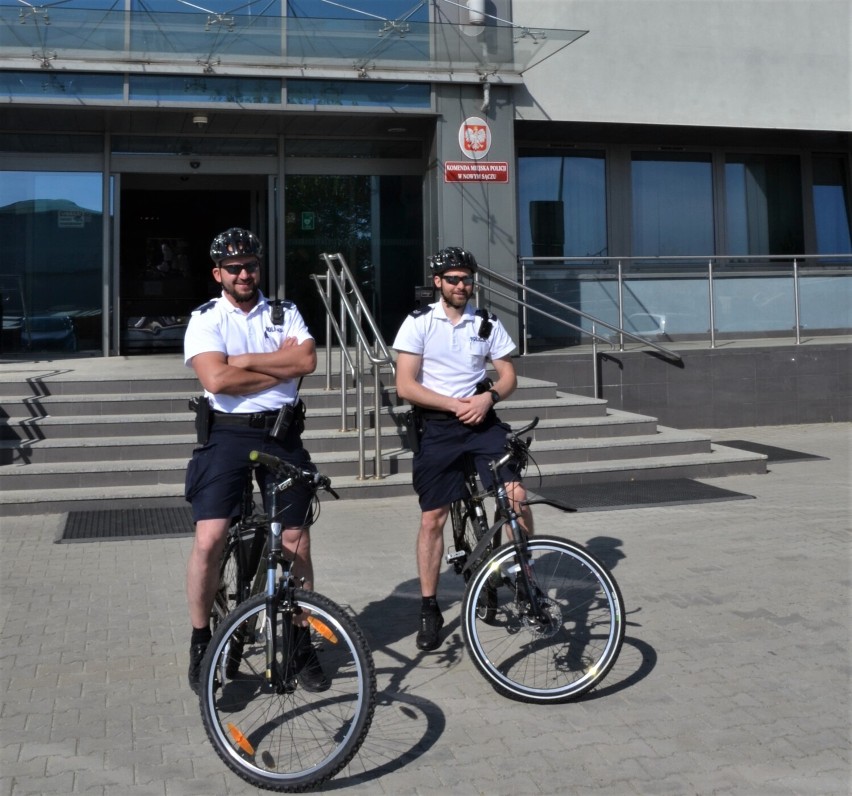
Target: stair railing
(525,290)
(353,314)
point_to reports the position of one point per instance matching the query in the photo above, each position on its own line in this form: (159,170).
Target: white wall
(730,63)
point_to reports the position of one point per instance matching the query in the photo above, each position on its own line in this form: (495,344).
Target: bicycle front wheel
(558,658)
(303,732)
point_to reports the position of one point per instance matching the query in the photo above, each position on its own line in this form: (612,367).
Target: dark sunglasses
(236,270)
(454,280)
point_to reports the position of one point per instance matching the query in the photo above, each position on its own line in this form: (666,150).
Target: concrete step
(716,463)
(180,421)
(50,450)
(337,463)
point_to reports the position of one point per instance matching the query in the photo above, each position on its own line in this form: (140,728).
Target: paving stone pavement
(734,677)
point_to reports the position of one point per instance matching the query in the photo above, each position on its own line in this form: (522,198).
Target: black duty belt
(434,414)
(250,419)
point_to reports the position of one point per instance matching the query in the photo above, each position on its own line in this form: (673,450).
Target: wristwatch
(495,396)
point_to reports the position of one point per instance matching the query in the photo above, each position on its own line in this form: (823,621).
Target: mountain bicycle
(542,617)
(293,707)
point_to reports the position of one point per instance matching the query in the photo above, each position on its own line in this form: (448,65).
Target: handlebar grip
(267,460)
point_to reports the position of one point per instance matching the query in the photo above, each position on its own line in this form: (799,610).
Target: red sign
(475,171)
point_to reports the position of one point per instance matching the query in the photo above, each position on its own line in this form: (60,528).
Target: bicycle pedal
(456,555)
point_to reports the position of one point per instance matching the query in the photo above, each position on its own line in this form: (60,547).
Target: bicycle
(297,705)
(542,617)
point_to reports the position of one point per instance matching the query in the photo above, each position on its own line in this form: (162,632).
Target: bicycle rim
(545,662)
(297,739)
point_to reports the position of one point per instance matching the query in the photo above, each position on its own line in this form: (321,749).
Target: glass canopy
(147,38)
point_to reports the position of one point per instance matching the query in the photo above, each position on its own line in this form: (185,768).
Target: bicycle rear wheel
(303,736)
(556,660)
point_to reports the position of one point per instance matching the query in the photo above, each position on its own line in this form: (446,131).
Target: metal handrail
(526,290)
(714,266)
(353,308)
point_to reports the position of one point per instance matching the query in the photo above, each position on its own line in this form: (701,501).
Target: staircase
(109,433)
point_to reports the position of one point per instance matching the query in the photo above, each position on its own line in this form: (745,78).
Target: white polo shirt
(453,357)
(220,326)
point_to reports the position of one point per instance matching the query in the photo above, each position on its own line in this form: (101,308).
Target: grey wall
(479,216)
(729,63)
(718,388)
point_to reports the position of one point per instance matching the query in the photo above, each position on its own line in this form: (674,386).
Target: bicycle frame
(506,515)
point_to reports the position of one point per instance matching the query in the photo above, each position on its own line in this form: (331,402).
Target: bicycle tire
(298,739)
(570,655)
(466,535)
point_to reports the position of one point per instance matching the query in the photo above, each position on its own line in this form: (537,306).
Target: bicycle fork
(526,585)
(278,594)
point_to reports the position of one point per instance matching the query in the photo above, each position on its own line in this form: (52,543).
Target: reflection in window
(51,224)
(164,88)
(562,204)
(672,204)
(764,205)
(61,85)
(831,205)
(358,93)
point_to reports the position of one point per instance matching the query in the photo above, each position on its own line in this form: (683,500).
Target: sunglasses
(236,270)
(454,280)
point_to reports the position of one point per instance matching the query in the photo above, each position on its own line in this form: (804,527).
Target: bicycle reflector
(323,629)
(240,740)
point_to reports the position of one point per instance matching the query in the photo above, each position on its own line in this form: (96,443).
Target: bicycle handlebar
(529,427)
(312,478)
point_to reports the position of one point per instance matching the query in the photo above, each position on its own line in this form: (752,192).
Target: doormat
(108,525)
(774,455)
(634,494)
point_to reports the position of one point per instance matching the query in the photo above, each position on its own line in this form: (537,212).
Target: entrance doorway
(164,260)
(167,223)
(375,222)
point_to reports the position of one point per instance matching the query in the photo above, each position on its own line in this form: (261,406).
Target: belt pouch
(203,418)
(282,422)
(413,429)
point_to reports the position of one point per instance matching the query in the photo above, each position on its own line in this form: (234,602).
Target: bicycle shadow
(405,725)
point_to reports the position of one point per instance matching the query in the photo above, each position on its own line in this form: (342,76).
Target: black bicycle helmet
(235,242)
(452,257)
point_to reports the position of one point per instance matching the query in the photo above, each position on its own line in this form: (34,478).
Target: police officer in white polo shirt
(249,354)
(442,352)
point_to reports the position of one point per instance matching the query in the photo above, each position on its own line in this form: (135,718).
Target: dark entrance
(165,267)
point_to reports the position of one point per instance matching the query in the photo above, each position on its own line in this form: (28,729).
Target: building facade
(629,152)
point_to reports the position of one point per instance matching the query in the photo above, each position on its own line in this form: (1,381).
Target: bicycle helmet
(235,242)
(452,257)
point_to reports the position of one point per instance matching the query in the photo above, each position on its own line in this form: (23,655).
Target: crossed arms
(244,374)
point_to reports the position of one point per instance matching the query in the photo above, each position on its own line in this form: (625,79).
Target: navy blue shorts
(438,468)
(216,474)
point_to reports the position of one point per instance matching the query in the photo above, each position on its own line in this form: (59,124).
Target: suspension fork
(526,577)
(276,592)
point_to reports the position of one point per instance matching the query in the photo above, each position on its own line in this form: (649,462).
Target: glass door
(164,261)
(375,222)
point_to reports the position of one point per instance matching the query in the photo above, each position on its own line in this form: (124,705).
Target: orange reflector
(323,629)
(240,739)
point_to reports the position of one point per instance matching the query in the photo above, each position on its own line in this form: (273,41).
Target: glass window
(244,90)
(562,204)
(672,204)
(358,93)
(51,224)
(764,205)
(62,85)
(831,205)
